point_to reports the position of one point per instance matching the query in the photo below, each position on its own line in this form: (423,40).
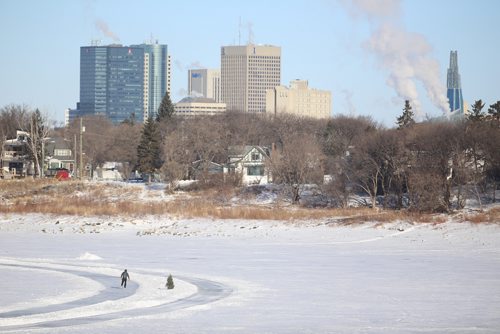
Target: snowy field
(61,275)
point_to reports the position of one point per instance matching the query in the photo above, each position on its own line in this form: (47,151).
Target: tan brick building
(299,99)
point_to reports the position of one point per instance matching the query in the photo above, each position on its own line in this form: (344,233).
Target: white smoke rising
(103,27)
(405,55)
(194,93)
(372,9)
(348,101)
(195,65)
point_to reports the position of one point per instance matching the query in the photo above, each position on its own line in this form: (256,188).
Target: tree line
(431,166)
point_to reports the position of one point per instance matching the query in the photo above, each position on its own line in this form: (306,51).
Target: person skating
(125,276)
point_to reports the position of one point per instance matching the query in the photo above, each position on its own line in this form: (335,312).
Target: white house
(249,162)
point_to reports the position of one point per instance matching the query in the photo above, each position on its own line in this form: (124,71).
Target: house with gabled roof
(59,154)
(249,162)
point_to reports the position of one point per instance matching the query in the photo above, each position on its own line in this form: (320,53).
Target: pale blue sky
(325,42)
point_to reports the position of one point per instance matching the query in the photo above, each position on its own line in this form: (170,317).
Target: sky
(371,54)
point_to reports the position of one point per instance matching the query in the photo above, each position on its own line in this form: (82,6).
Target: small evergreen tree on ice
(170,282)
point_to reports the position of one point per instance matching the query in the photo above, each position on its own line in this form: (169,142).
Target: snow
(60,274)
(89,256)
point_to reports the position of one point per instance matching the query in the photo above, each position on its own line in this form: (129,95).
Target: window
(62,152)
(255,170)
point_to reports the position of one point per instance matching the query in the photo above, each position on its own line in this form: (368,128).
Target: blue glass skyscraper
(157,76)
(454,85)
(112,82)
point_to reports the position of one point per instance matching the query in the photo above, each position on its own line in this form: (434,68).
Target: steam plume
(103,27)
(405,55)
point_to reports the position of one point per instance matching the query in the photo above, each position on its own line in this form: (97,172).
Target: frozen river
(249,277)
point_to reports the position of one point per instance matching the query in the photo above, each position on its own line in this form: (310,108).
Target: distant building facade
(205,83)
(123,82)
(199,106)
(247,72)
(157,76)
(454,85)
(299,100)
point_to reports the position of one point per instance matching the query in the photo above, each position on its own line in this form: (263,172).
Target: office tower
(454,85)
(246,73)
(156,76)
(204,83)
(299,99)
(111,82)
(123,82)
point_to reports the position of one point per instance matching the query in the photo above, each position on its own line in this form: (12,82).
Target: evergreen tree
(406,119)
(170,282)
(494,111)
(148,151)
(476,114)
(166,109)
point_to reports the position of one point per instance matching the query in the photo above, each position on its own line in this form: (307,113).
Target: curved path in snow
(103,295)
(207,292)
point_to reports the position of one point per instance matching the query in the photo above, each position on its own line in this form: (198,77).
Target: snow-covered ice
(60,274)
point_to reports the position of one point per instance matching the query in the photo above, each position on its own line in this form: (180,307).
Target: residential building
(299,100)
(454,86)
(123,82)
(15,160)
(247,72)
(205,83)
(59,155)
(250,163)
(198,106)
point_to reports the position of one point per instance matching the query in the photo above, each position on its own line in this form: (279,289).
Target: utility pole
(75,152)
(82,129)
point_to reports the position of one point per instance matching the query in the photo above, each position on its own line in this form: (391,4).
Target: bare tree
(96,138)
(38,131)
(367,165)
(434,149)
(298,161)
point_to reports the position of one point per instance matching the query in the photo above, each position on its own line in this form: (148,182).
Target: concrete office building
(247,72)
(205,83)
(299,100)
(199,106)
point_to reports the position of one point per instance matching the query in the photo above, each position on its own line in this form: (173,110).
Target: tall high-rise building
(156,76)
(204,83)
(247,71)
(123,82)
(454,85)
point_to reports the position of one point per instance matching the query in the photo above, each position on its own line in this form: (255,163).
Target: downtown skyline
(353,49)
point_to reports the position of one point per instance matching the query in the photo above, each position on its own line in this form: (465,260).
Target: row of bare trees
(429,166)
